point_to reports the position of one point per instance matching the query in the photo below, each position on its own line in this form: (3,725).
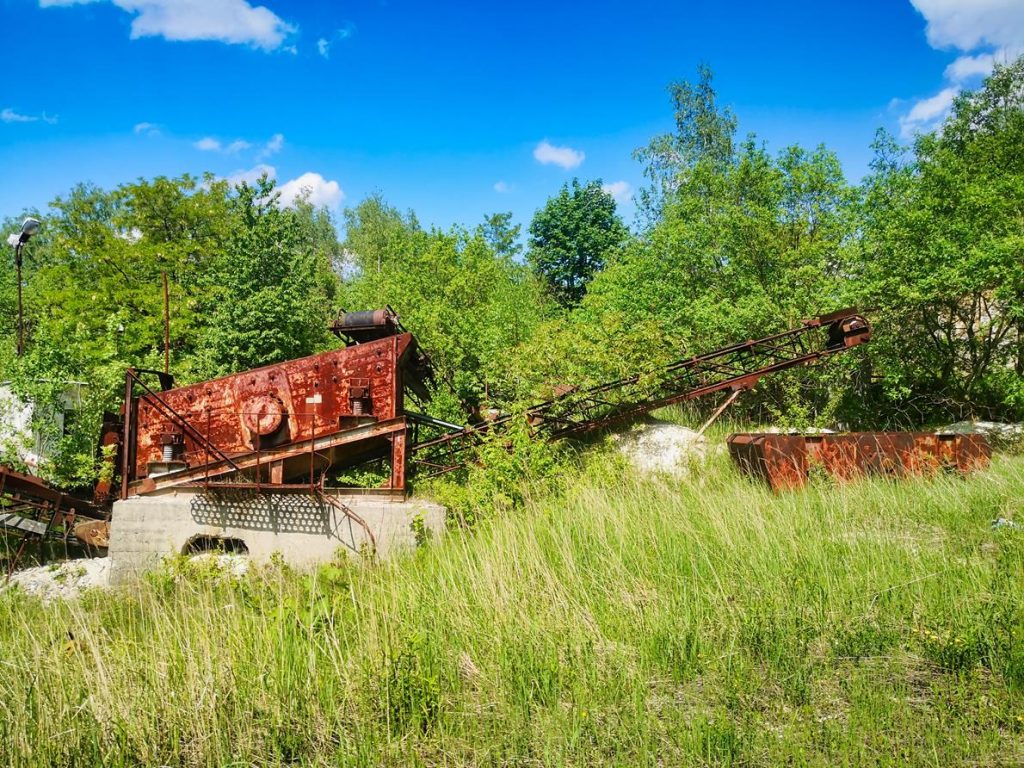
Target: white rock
(228,563)
(662,447)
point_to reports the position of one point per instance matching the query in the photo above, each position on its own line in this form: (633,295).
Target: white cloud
(969,24)
(147,129)
(272,147)
(8,115)
(620,190)
(252,175)
(210,144)
(323,45)
(313,188)
(132,235)
(966,67)
(502,187)
(987,32)
(927,112)
(310,186)
(226,21)
(566,157)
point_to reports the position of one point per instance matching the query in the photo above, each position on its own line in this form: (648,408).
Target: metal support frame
(737,367)
(21,315)
(31,509)
(208,472)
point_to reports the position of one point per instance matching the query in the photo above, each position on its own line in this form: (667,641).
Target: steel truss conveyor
(733,369)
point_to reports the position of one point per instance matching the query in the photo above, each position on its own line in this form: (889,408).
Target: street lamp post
(29,227)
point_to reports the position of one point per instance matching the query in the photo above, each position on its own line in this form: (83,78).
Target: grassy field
(626,621)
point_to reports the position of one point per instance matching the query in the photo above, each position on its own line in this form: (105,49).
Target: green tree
(572,236)
(501,234)
(377,236)
(271,293)
(942,259)
(703,139)
(462,293)
(744,243)
(250,283)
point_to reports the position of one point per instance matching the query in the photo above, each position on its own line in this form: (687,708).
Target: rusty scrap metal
(735,368)
(787,461)
(33,510)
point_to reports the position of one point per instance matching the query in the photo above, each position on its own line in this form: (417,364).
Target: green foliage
(269,295)
(462,293)
(571,238)
(942,257)
(502,235)
(508,468)
(742,244)
(249,283)
(702,140)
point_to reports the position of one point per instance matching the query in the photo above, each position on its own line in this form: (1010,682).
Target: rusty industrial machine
(730,370)
(289,426)
(788,461)
(282,426)
(33,510)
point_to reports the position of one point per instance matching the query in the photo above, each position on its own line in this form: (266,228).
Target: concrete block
(303,528)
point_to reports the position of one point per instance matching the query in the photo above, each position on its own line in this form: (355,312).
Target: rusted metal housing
(280,425)
(786,461)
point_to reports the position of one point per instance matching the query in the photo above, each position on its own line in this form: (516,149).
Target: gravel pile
(63,580)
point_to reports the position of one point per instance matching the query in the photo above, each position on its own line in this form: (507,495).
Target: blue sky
(457,110)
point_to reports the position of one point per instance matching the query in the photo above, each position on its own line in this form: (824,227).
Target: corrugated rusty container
(786,461)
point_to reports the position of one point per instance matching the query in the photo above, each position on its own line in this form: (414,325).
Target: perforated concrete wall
(303,528)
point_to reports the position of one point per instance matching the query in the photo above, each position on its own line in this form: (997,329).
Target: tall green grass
(626,621)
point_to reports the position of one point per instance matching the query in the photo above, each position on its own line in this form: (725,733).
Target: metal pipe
(21,317)
(167,326)
(719,410)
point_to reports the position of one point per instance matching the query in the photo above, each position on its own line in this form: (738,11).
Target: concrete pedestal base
(305,530)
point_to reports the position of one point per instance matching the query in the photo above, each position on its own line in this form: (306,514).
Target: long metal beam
(257,459)
(736,367)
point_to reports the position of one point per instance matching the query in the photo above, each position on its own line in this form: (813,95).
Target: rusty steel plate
(786,461)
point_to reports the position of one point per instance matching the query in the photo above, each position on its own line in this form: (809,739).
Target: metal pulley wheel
(262,414)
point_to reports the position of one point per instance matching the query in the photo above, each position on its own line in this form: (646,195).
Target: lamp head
(29,227)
